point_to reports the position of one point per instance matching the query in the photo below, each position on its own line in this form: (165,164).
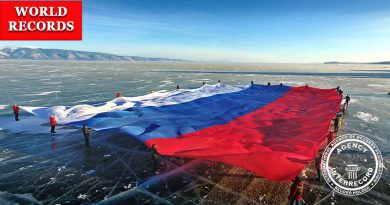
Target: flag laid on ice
(273,131)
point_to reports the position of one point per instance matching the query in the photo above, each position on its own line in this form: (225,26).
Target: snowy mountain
(23,53)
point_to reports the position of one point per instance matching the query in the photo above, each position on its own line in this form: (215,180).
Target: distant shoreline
(378,63)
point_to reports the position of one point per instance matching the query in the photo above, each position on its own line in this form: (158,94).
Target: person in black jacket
(347,99)
(154,151)
(86,132)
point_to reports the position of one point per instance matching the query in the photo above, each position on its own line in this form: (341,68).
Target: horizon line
(177,58)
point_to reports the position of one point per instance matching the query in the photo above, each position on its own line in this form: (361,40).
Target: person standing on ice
(337,123)
(86,132)
(16,111)
(347,99)
(53,124)
(318,165)
(330,136)
(118,94)
(344,107)
(155,154)
(154,151)
(177,87)
(341,92)
(296,190)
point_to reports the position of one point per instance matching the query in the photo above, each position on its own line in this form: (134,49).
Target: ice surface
(366,117)
(44,93)
(30,124)
(353,101)
(86,82)
(13,199)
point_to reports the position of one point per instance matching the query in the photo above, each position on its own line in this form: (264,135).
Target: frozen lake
(59,170)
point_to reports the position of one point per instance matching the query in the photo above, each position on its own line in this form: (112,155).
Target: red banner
(40,20)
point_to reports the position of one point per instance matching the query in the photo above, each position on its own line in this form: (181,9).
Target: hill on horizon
(25,53)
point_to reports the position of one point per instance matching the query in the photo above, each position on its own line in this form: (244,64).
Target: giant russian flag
(273,131)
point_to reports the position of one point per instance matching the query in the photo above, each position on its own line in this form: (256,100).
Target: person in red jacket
(53,124)
(296,190)
(318,165)
(330,136)
(118,94)
(16,112)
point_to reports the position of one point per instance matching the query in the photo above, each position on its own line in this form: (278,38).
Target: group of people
(297,186)
(53,123)
(52,120)
(341,112)
(118,94)
(269,83)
